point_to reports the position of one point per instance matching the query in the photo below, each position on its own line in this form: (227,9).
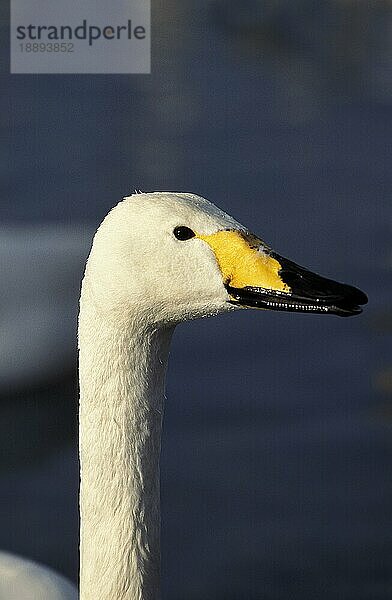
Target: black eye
(183,233)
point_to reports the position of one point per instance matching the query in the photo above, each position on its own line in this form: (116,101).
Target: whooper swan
(158,259)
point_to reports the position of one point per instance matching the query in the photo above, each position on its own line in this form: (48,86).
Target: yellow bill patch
(241,263)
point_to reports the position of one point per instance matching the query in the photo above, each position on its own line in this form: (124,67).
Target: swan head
(162,258)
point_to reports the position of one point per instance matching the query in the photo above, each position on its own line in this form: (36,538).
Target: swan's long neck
(122,373)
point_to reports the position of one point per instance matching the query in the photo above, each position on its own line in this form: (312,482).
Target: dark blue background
(277,442)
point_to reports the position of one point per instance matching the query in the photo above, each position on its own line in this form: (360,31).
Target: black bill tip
(309,293)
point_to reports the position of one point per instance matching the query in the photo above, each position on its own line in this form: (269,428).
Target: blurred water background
(276,466)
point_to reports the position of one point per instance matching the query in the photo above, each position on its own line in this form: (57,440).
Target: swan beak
(256,277)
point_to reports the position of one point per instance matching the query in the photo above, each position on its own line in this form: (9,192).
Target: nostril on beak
(290,277)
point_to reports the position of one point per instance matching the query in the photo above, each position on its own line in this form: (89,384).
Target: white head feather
(137,264)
